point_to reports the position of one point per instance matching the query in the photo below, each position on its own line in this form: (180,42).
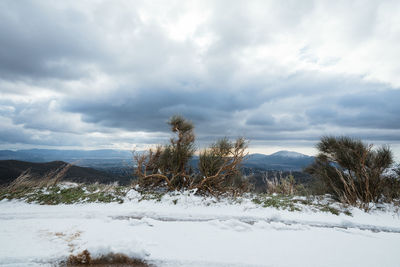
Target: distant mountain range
(101,159)
(108,158)
(11,169)
(42,155)
(281,160)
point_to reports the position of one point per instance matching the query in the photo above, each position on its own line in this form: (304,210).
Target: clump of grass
(55,195)
(104,197)
(276,201)
(327,208)
(348,213)
(330,206)
(15,194)
(294,204)
(111,259)
(151,195)
(105,193)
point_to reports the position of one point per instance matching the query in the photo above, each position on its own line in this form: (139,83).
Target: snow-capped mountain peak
(289,154)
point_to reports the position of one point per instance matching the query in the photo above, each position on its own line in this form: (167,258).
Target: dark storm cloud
(38,41)
(149,109)
(285,108)
(266,70)
(371,110)
(18,135)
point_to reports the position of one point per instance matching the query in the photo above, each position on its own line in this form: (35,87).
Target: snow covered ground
(187,230)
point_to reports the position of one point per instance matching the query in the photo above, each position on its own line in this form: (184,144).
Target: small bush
(391,185)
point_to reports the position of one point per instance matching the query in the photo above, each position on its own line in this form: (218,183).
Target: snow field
(186,230)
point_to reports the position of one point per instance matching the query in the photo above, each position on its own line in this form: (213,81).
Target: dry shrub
(111,259)
(168,166)
(351,170)
(391,185)
(219,167)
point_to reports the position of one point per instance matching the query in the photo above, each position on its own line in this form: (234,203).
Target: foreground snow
(186,230)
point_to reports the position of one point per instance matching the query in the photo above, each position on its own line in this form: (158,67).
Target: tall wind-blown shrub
(168,165)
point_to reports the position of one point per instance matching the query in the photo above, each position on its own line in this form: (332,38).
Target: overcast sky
(108,74)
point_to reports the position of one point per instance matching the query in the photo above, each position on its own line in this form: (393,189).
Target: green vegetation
(151,195)
(275,201)
(19,193)
(79,193)
(293,203)
(55,195)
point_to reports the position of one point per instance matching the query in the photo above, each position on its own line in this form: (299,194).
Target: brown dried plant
(351,169)
(220,164)
(167,166)
(28,180)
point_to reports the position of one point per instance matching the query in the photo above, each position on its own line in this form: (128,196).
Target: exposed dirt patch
(69,238)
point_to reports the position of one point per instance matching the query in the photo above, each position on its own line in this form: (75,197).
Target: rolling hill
(11,169)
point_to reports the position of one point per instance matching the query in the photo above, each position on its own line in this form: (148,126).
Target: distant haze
(109,74)
(106,158)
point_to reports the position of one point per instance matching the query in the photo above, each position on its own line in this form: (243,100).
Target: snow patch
(289,154)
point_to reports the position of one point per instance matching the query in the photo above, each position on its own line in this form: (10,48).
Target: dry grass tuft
(23,180)
(285,186)
(82,258)
(111,259)
(27,180)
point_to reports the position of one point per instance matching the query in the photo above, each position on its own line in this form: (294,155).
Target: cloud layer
(109,74)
